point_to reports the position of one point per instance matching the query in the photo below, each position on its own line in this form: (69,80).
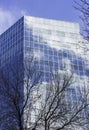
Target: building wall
(11,43)
(58,46)
(11,70)
(55,45)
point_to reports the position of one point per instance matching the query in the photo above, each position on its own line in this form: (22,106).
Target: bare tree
(57,110)
(17,83)
(83,7)
(53,109)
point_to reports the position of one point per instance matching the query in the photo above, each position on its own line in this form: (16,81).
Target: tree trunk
(20,125)
(45,124)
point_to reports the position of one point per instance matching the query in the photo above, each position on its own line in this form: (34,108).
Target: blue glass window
(81,73)
(46,57)
(65,53)
(50,57)
(87,72)
(80,67)
(55,58)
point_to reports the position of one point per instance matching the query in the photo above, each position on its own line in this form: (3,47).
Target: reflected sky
(56,46)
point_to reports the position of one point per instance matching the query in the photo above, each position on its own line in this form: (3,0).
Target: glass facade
(11,44)
(56,45)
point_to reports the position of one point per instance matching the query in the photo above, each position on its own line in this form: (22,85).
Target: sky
(12,10)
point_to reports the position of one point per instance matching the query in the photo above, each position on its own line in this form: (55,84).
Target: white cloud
(8,17)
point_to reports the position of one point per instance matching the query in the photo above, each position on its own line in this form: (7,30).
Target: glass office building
(56,45)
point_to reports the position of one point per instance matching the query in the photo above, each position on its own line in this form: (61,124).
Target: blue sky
(12,10)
